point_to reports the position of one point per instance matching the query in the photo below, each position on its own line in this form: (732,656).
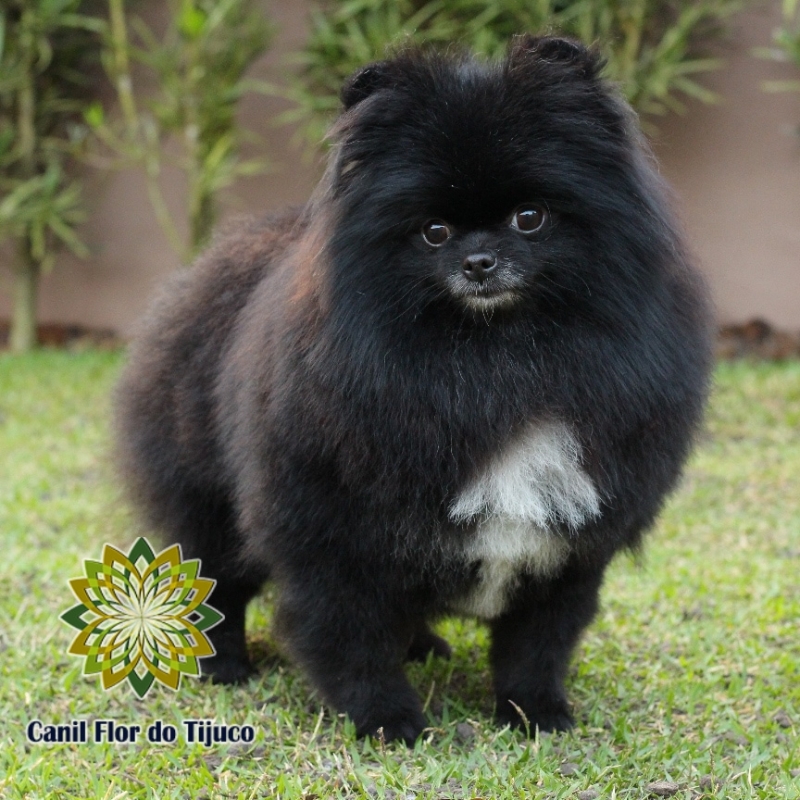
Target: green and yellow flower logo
(141,617)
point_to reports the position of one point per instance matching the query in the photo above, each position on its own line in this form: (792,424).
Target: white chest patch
(536,482)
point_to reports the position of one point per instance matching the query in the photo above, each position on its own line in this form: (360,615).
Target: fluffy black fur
(306,403)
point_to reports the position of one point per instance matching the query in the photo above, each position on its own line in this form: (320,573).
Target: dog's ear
(364,82)
(525,49)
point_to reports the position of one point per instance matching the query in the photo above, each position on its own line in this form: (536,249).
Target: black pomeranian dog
(459,380)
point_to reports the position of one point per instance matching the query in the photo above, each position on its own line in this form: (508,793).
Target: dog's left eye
(529,218)
(436,232)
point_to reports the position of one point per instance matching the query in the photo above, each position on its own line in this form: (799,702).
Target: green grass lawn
(690,675)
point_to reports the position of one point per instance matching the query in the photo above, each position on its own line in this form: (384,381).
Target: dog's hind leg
(203,523)
(425,641)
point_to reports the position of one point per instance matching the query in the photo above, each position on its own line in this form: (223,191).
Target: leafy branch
(199,66)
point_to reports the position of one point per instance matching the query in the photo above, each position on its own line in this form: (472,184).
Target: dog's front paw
(394,727)
(548,714)
(226,669)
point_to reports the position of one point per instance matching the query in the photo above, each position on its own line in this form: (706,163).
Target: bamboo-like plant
(651,46)
(44,49)
(198,65)
(786,46)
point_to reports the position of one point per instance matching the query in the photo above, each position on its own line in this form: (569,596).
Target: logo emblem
(141,617)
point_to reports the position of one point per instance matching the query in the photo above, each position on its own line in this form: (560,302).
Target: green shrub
(46,51)
(652,46)
(198,65)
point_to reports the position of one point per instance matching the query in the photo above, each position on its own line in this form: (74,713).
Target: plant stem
(201,204)
(26,269)
(143,138)
(22,336)
(632,25)
(122,69)
(163,216)
(202,220)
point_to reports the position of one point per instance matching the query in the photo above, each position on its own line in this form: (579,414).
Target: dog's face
(486,188)
(488,266)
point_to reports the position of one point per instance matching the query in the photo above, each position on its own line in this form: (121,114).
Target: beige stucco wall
(735,167)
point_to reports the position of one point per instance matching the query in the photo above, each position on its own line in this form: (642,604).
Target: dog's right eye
(435,232)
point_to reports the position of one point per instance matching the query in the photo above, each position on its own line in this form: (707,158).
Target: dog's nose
(478,266)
